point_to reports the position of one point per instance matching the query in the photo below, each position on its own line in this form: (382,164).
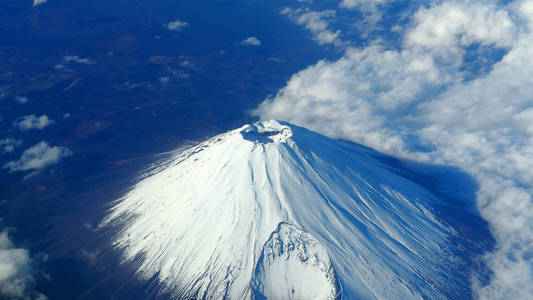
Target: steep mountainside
(275,211)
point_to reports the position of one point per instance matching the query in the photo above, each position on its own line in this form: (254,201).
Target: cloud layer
(422,101)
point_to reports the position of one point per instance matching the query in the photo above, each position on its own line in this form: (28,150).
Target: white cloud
(33,122)
(74,59)
(7,145)
(372,11)
(38,2)
(16,271)
(453,25)
(317,22)
(380,97)
(178,73)
(364,4)
(38,157)
(21,99)
(176,25)
(251,41)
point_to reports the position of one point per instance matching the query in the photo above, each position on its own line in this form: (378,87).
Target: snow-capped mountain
(275,211)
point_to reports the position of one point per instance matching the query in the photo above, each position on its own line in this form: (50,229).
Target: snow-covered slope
(275,211)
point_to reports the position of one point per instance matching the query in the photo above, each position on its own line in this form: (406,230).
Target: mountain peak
(267,132)
(287,214)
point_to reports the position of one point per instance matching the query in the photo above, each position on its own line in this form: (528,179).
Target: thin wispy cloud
(8,145)
(21,99)
(317,22)
(33,122)
(481,122)
(76,59)
(364,5)
(38,2)
(178,73)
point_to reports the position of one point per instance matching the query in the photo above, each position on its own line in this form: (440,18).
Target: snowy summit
(275,211)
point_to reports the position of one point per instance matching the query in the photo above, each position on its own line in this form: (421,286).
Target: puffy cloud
(16,271)
(176,25)
(358,96)
(7,145)
(453,25)
(38,157)
(38,2)
(417,102)
(251,41)
(317,22)
(33,122)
